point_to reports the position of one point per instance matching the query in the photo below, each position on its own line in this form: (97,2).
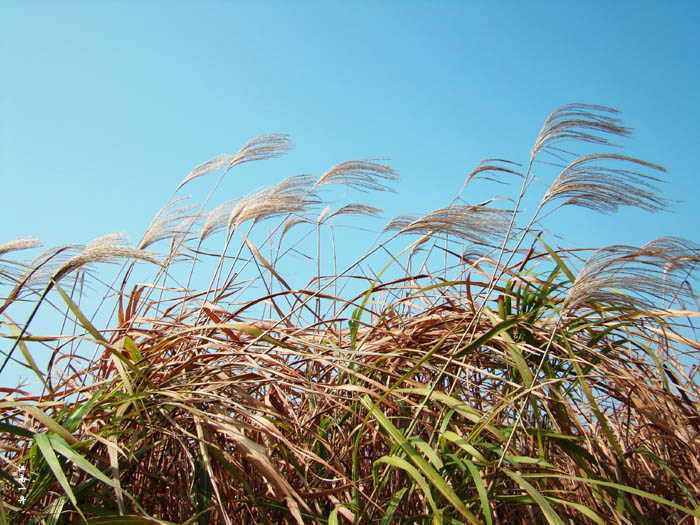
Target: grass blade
(44,444)
(430,473)
(547,510)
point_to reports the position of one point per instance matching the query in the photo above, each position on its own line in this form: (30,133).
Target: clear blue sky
(106,106)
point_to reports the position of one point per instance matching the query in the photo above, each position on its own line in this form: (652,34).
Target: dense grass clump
(466,369)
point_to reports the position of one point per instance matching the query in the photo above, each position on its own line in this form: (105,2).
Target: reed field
(462,368)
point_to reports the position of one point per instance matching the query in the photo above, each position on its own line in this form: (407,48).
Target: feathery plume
(585,182)
(363,175)
(216,219)
(260,148)
(634,277)
(264,206)
(579,122)
(494,166)
(103,249)
(472,223)
(357,209)
(37,273)
(168,222)
(293,184)
(289,223)
(11,270)
(40,269)
(289,196)
(23,243)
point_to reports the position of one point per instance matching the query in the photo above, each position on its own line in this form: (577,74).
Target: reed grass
(474,372)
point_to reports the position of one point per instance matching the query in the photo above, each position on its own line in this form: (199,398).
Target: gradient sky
(106,106)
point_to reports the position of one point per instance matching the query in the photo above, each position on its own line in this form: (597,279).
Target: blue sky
(106,106)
